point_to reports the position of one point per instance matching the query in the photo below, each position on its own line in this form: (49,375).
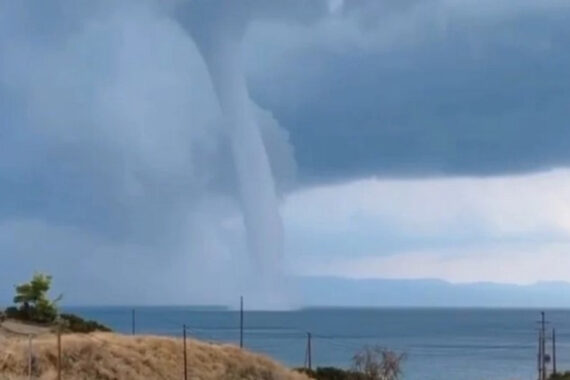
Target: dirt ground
(14,329)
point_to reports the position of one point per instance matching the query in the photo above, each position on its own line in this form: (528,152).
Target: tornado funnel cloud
(218,34)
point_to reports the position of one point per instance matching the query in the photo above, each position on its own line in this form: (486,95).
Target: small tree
(33,302)
(377,363)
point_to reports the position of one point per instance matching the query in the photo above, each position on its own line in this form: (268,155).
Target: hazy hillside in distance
(345,292)
(336,291)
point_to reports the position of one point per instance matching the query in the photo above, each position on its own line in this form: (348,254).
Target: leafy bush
(378,363)
(370,363)
(74,323)
(33,303)
(560,376)
(332,373)
(12,313)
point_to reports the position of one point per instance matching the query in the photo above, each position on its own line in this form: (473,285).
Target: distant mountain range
(345,292)
(336,291)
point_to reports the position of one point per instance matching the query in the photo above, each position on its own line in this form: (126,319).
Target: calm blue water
(467,344)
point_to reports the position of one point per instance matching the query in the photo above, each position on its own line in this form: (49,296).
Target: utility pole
(30,357)
(543,357)
(543,347)
(309,353)
(59,352)
(539,356)
(133,321)
(554,371)
(241,322)
(185,358)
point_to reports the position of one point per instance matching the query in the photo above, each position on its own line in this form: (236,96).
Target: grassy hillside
(109,356)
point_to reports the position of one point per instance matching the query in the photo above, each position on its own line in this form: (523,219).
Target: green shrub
(12,313)
(33,302)
(369,363)
(560,376)
(33,305)
(74,323)
(332,373)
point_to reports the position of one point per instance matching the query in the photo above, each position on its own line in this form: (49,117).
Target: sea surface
(467,344)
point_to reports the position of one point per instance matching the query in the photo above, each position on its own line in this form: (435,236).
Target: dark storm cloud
(461,88)
(108,120)
(113,166)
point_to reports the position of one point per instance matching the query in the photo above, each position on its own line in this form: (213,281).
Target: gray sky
(409,139)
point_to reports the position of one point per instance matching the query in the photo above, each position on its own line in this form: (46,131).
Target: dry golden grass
(109,356)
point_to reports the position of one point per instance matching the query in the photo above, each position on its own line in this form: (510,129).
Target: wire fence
(293,346)
(300,349)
